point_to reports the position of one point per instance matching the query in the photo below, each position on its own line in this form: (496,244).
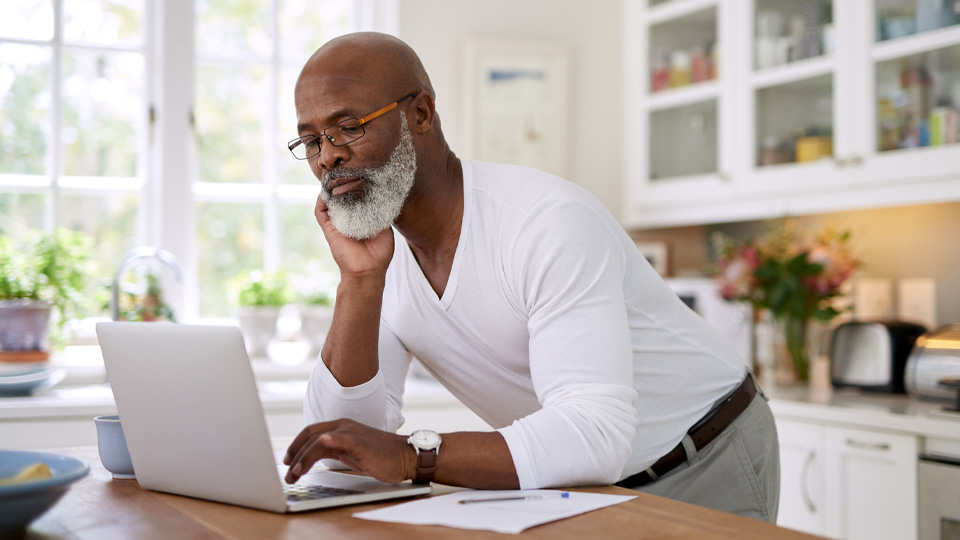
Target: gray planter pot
(314,326)
(24,325)
(258,326)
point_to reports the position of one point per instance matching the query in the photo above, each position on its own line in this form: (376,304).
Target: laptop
(194,424)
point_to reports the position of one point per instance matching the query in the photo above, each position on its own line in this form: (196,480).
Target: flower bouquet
(792,274)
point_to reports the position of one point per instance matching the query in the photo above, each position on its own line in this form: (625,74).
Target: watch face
(424,439)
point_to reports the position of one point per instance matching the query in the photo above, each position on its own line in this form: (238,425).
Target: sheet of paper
(511,517)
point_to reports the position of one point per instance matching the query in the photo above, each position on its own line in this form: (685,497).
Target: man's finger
(320,211)
(305,435)
(313,451)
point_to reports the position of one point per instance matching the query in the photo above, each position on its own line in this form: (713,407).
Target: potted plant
(793,277)
(144,301)
(316,315)
(258,297)
(40,274)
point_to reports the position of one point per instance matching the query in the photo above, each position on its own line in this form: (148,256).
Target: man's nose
(332,156)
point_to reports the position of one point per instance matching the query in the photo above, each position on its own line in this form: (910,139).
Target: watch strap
(426,466)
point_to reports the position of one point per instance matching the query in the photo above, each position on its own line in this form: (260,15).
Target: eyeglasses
(342,133)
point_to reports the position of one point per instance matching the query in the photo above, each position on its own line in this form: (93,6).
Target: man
(522,295)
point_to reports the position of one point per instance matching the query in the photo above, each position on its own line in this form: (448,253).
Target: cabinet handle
(804,492)
(841,162)
(883,447)
(856,161)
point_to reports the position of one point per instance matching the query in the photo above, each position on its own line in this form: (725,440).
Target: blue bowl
(20,504)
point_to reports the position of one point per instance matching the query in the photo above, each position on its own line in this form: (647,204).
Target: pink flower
(771,254)
(737,269)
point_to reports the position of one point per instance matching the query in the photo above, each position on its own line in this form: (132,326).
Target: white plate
(8,369)
(26,384)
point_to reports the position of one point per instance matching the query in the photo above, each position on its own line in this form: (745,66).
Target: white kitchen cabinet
(847,483)
(801,499)
(870,481)
(862,104)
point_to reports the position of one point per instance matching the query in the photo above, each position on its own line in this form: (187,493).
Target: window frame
(166,177)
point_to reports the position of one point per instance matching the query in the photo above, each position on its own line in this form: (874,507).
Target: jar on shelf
(679,68)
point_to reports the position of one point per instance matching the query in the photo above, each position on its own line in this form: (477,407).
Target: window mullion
(54,156)
(271,214)
(145,231)
(171,187)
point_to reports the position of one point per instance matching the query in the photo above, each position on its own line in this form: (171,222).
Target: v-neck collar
(450,290)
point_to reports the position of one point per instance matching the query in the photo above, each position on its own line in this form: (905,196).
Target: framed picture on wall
(657,254)
(514,107)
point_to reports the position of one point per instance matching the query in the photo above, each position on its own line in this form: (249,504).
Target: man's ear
(425,112)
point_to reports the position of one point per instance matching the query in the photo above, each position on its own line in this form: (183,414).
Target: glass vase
(797,343)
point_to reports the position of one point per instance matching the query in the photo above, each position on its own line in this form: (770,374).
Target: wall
(590,31)
(895,243)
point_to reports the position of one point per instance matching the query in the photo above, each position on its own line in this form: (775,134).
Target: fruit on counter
(35,471)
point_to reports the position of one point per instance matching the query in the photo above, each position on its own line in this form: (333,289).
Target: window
(254,203)
(113,121)
(73,119)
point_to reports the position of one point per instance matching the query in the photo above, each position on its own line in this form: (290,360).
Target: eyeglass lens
(344,132)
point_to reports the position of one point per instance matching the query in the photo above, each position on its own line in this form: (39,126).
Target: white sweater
(553,328)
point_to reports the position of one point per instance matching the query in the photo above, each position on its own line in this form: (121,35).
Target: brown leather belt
(703,432)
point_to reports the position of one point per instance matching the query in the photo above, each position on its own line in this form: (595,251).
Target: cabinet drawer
(871,480)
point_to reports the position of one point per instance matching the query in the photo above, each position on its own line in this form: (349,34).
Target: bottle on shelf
(917,89)
(888,124)
(679,68)
(774,151)
(713,56)
(660,78)
(699,71)
(943,124)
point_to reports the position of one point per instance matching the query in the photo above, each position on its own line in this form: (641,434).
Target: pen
(564,495)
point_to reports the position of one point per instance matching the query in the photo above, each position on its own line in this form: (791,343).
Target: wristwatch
(427,445)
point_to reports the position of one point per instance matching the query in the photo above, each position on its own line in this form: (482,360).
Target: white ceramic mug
(113,447)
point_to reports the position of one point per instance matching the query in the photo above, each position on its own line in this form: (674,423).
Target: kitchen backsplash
(896,245)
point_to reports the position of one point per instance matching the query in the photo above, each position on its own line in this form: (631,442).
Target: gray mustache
(341,173)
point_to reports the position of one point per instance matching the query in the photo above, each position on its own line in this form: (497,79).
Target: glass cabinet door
(917,100)
(915,107)
(794,63)
(683,92)
(917,76)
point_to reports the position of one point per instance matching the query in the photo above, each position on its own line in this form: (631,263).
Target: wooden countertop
(98,507)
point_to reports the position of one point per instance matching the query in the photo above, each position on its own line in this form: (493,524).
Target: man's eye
(312,143)
(351,130)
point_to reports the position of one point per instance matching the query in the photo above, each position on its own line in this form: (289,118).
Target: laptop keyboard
(297,492)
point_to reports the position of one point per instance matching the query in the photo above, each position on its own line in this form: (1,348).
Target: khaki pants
(738,472)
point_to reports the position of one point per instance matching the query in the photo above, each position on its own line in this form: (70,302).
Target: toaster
(933,370)
(872,355)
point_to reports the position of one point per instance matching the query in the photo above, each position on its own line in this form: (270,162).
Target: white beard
(364,215)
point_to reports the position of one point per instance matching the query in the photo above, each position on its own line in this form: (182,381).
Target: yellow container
(814,148)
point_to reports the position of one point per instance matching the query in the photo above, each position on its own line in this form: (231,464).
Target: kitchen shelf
(916,44)
(687,95)
(676,9)
(793,72)
(751,113)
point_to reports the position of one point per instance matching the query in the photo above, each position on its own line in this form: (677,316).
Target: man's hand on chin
(356,257)
(384,456)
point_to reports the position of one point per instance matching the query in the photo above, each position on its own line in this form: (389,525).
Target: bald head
(368,58)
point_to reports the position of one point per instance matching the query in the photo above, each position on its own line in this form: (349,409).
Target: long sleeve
(376,403)
(569,277)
